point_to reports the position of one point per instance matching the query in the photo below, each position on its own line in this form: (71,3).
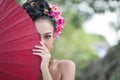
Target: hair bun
(37,8)
(41,6)
(38,0)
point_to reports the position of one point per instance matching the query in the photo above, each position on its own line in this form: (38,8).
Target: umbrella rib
(16,64)
(12,25)
(7,52)
(14,75)
(10,11)
(17,38)
(13,51)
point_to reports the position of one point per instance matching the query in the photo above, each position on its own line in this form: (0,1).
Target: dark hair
(39,9)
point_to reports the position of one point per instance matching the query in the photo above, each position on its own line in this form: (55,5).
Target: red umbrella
(18,36)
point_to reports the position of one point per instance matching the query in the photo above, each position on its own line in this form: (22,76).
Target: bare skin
(58,69)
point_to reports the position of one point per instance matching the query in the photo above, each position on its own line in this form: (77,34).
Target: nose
(42,40)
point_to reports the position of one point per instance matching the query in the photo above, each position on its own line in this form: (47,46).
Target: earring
(51,49)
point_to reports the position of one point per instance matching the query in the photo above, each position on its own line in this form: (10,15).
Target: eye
(47,36)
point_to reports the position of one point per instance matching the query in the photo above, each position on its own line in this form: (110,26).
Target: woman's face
(46,33)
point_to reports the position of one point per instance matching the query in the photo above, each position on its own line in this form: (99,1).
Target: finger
(38,54)
(39,47)
(42,44)
(44,47)
(37,50)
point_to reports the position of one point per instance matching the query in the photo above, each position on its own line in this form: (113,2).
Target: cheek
(49,43)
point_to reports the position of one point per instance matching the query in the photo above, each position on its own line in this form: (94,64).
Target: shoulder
(66,65)
(67,69)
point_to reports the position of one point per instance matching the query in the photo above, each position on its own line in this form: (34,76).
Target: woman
(49,24)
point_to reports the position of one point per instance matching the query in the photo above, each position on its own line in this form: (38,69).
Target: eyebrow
(46,33)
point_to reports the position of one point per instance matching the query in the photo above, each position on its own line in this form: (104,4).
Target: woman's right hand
(43,52)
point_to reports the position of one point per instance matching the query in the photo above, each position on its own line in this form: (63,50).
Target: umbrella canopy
(18,36)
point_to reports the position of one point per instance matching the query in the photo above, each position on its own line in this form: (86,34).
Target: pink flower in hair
(58,31)
(54,7)
(54,14)
(59,20)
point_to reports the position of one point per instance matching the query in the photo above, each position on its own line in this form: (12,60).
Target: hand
(44,53)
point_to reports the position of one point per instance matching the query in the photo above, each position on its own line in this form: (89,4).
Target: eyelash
(47,36)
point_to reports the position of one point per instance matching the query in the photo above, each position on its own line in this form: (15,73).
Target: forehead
(43,26)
